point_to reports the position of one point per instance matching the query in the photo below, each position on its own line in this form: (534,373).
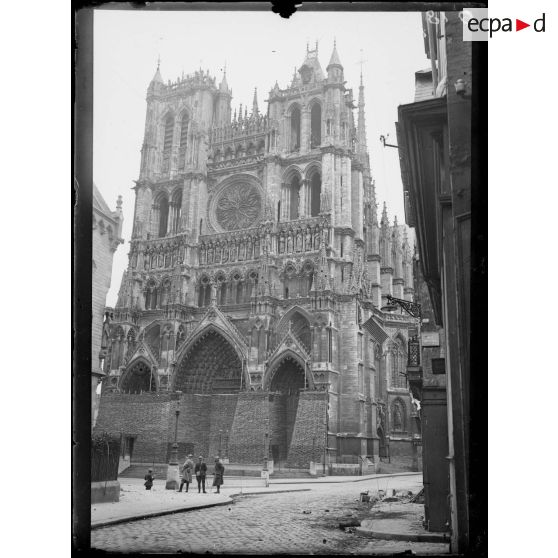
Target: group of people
(199,470)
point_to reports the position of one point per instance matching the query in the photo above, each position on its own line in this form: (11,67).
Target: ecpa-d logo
(477,26)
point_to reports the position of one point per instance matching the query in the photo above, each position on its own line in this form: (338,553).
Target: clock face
(238,207)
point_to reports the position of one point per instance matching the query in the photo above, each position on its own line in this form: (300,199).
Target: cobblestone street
(274,523)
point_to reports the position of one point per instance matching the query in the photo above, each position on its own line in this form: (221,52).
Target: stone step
(292,474)
(138,471)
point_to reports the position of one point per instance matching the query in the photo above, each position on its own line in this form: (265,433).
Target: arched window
(316,126)
(315,194)
(176,212)
(204,295)
(398,362)
(162,213)
(222,288)
(183,142)
(295,129)
(167,142)
(165,293)
(294,197)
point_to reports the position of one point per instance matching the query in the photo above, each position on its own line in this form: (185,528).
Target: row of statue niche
(230,251)
(161,259)
(299,241)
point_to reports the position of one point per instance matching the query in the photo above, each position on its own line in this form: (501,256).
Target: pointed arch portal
(210,366)
(285,385)
(138,378)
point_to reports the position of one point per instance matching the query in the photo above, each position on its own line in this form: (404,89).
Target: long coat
(218,474)
(187,470)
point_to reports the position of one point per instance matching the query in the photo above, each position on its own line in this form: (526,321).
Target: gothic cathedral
(257,273)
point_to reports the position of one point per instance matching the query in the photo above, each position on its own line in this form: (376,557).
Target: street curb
(271,492)
(148,515)
(367,478)
(417,537)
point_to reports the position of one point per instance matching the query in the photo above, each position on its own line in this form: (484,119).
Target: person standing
(218,473)
(201,471)
(148,479)
(187,469)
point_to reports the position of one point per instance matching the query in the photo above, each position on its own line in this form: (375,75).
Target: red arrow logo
(519,25)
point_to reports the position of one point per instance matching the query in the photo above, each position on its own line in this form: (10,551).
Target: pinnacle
(157,77)
(334,60)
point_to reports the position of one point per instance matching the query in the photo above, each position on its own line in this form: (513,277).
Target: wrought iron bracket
(412,308)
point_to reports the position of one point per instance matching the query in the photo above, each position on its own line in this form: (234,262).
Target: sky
(258,49)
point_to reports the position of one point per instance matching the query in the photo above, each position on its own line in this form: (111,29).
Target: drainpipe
(432,49)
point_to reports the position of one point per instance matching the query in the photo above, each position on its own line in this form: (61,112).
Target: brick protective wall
(144,416)
(193,424)
(309,429)
(223,408)
(277,426)
(246,444)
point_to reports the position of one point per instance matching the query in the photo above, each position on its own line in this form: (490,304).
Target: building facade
(106,236)
(258,268)
(434,137)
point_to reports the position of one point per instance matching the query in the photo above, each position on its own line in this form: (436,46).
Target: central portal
(210,366)
(286,383)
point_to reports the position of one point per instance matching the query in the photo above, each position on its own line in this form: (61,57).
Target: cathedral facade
(249,319)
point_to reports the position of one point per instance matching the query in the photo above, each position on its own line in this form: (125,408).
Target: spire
(385,221)
(157,77)
(361,124)
(334,60)
(224,86)
(255,111)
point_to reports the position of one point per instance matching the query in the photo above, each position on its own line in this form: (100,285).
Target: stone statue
(397,417)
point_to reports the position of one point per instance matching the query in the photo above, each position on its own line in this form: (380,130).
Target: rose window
(238,207)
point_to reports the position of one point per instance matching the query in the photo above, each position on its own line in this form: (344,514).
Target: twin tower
(256,259)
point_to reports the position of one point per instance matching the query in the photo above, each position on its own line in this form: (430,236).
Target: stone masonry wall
(309,429)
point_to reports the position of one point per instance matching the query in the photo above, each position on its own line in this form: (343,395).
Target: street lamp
(172,470)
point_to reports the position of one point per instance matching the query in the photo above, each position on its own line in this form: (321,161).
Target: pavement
(398,521)
(296,518)
(137,503)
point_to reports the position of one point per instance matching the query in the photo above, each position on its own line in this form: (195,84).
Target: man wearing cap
(200,470)
(218,473)
(187,469)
